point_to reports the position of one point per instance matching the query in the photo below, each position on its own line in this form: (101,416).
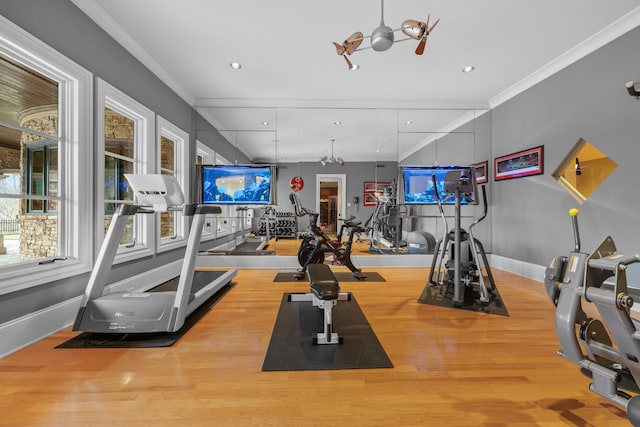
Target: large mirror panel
(344,162)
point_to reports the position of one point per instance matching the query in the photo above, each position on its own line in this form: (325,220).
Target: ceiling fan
(382,38)
(325,159)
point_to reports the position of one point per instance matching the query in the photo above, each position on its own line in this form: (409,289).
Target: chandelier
(326,159)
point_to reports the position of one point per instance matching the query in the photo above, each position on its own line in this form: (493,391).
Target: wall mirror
(583,170)
(363,145)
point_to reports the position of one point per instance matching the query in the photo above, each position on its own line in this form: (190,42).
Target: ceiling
(282,105)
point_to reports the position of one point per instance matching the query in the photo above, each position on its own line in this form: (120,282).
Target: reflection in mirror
(371,141)
(583,170)
(251,137)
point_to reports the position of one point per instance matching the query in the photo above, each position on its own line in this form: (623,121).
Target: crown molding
(611,32)
(96,13)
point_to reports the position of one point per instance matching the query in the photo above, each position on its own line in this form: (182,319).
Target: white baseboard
(26,330)
(521,268)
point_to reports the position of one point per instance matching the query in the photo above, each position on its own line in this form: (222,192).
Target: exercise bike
(607,349)
(316,245)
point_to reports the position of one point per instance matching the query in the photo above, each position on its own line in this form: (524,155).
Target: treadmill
(158,309)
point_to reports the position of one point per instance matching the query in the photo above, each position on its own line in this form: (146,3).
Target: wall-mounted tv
(417,183)
(236,184)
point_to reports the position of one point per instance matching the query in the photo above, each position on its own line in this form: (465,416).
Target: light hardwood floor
(451,368)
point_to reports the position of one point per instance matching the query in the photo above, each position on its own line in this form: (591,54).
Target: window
(45,143)
(173,160)
(206,156)
(125,143)
(225,221)
(41,176)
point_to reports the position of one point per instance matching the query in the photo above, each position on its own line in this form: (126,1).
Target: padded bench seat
(323,283)
(325,293)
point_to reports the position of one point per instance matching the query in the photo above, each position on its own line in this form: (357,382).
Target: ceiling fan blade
(352,43)
(340,161)
(339,48)
(432,27)
(421,46)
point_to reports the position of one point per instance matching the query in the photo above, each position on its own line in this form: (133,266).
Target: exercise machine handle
(435,189)
(484,211)
(576,231)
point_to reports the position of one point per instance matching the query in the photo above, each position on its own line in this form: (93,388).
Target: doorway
(331,200)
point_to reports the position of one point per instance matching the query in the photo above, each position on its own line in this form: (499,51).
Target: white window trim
(181,143)
(114,99)
(228,227)
(209,157)
(75,215)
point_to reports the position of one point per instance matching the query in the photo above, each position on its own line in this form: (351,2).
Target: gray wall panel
(587,99)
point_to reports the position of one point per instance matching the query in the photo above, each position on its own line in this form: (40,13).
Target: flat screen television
(417,184)
(236,184)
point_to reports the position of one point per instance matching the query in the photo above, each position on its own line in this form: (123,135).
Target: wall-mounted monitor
(417,184)
(236,184)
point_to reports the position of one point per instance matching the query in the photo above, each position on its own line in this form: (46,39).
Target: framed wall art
(481,171)
(516,165)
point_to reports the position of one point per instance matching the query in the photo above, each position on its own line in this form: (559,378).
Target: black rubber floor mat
(442,296)
(292,348)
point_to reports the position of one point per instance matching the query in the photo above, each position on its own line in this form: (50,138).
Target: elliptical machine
(384,226)
(612,344)
(467,263)
(317,244)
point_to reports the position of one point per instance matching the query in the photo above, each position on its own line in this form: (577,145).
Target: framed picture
(481,171)
(523,163)
(375,186)
(371,188)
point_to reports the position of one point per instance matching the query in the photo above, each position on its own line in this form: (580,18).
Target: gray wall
(587,99)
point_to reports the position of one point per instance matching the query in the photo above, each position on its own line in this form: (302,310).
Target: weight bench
(325,293)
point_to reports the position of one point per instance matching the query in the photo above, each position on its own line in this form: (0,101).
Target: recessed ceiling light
(265,123)
(235,65)
(468,69)
(337,122)
(408,122)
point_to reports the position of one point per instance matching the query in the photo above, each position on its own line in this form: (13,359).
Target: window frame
(225,222)
(46,179)
(181,172)
(144,148)
(75,182)
(209,229)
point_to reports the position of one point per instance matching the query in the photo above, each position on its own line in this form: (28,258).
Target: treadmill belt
(200,280)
